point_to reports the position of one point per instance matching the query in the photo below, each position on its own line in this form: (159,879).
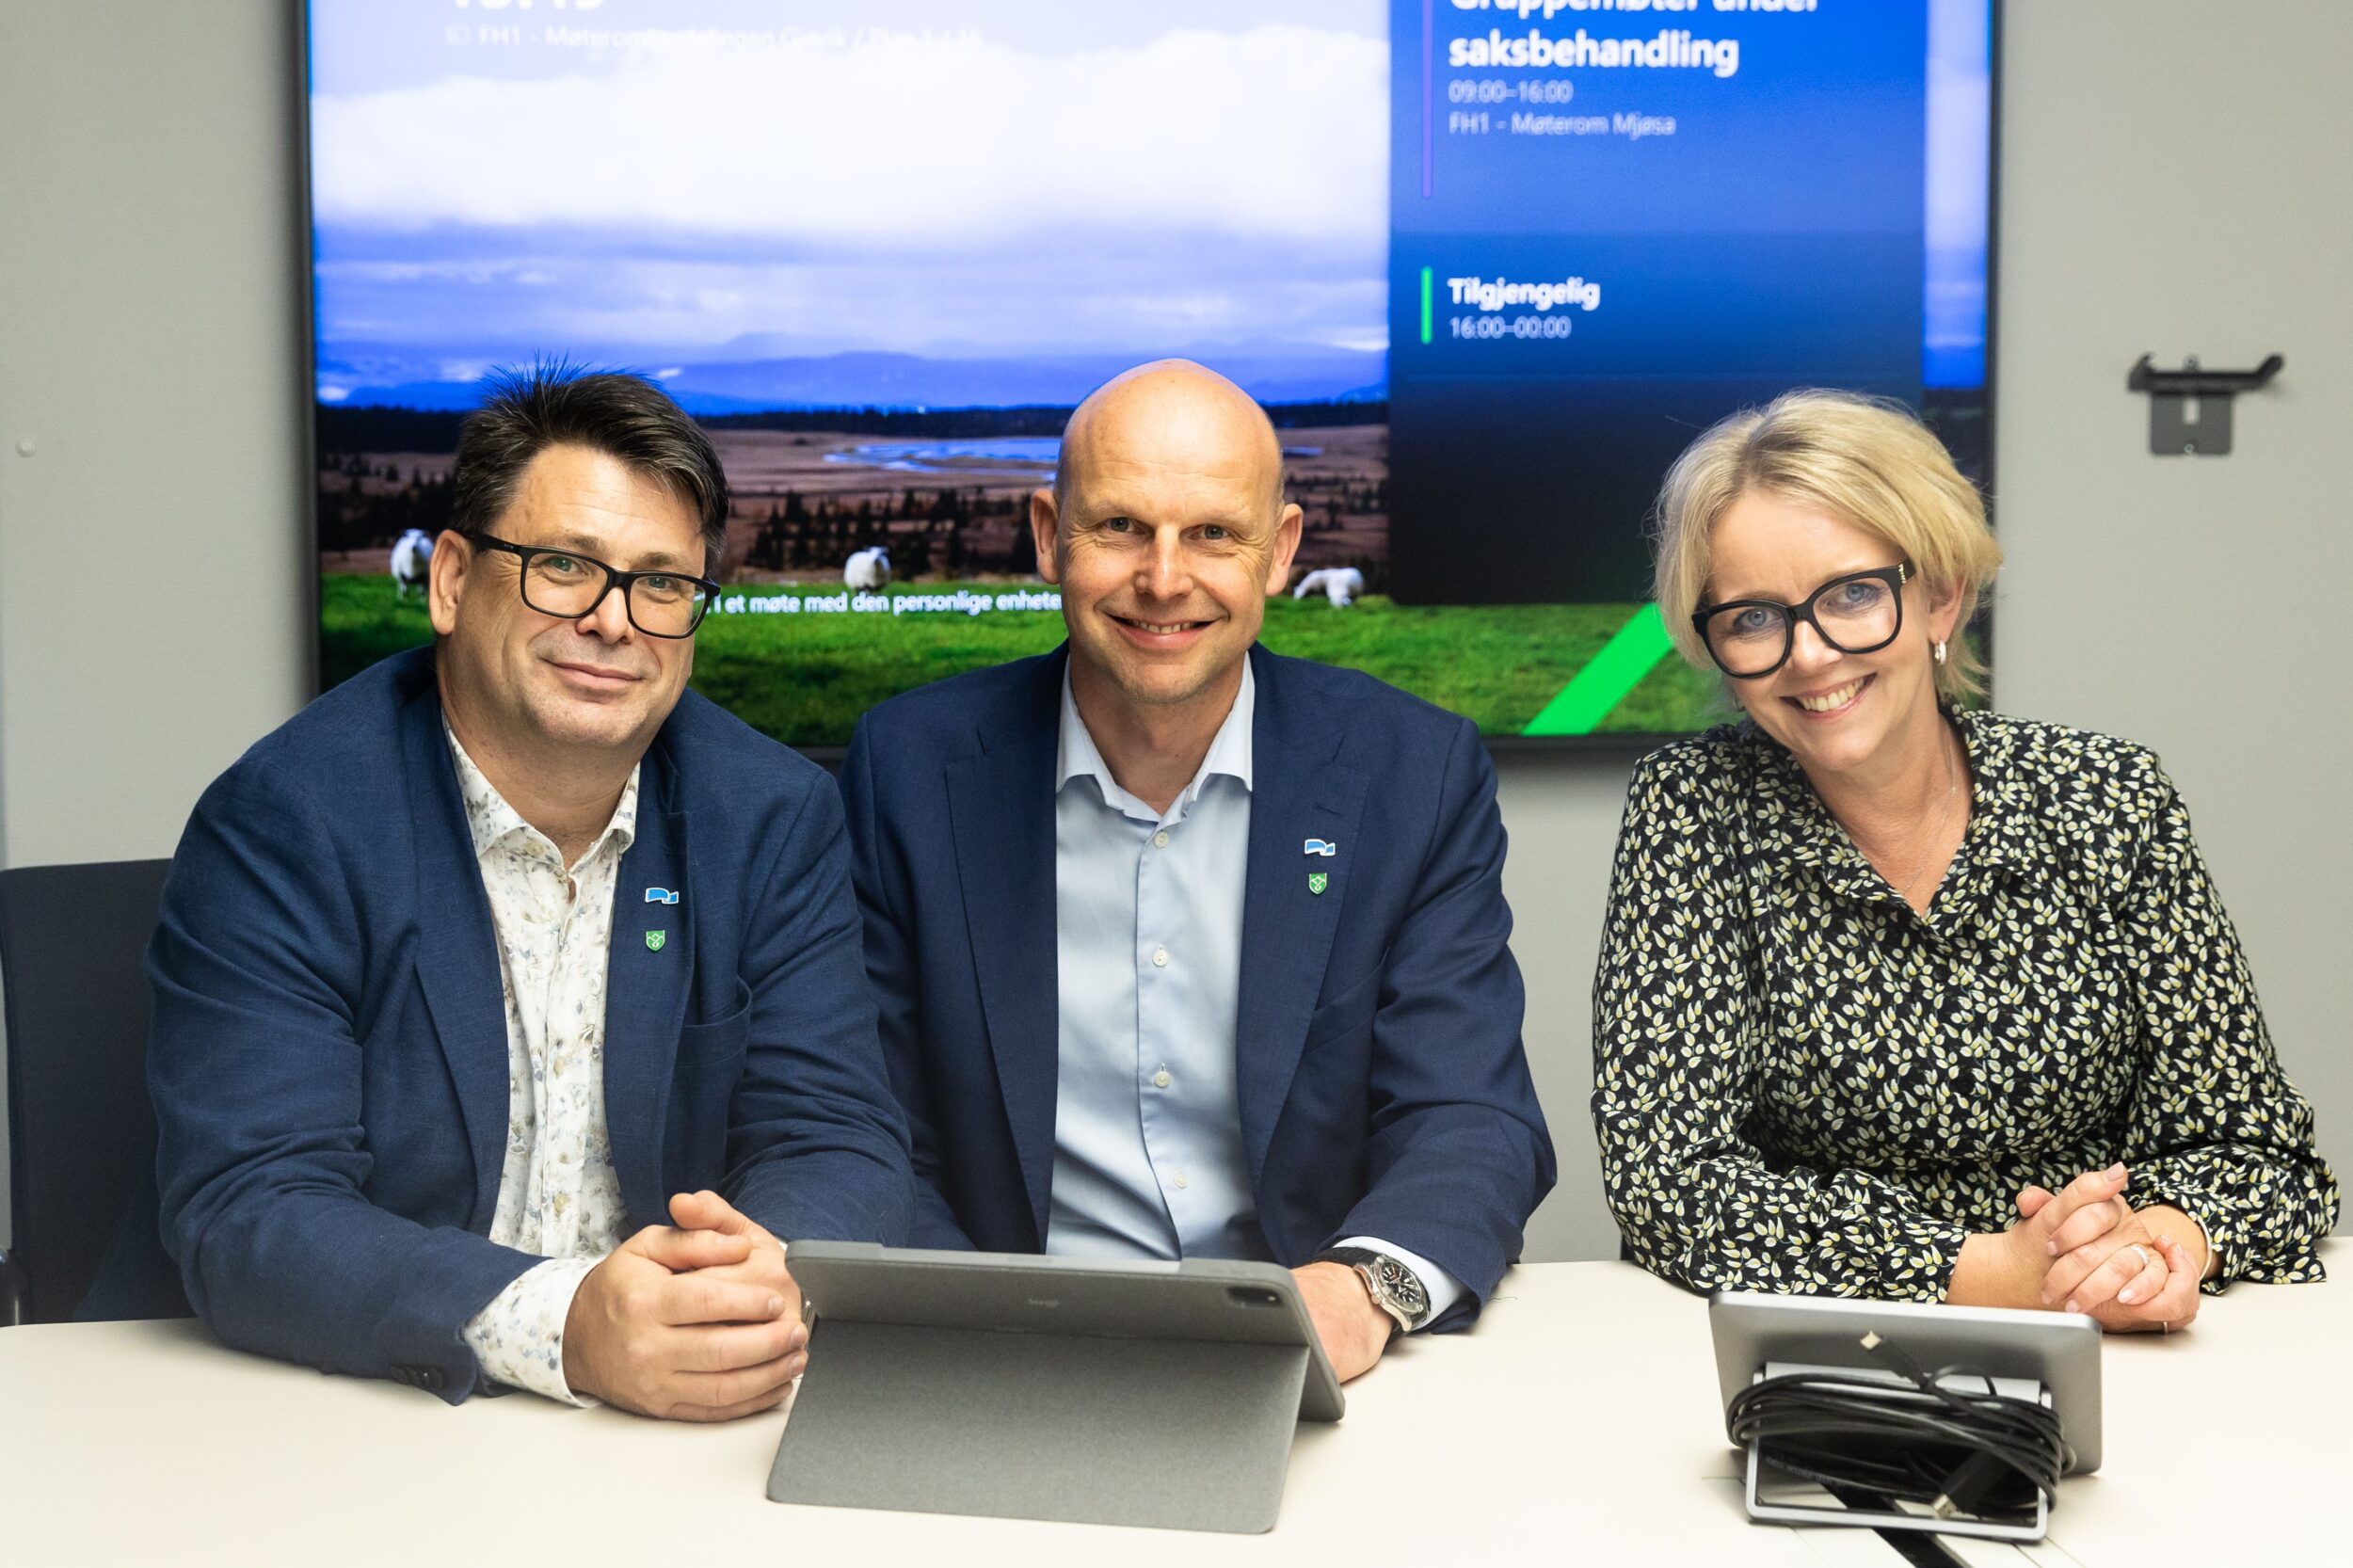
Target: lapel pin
(659,895)
(654,941)
(1317,880)
(1322,846)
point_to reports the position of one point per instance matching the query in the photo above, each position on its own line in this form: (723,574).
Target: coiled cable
(1990,1455)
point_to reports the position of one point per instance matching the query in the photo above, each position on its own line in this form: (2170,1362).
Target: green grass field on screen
(805,679)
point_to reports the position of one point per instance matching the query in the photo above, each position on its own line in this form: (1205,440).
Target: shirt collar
(2006,827)
(491,821)
(1230,752)
(1788,825)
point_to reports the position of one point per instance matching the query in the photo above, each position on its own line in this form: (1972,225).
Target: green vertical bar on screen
(1630,654)
(1425,304)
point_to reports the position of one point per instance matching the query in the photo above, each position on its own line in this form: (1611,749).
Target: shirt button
(1160,839)
(1178,1179)
(1160,959)
(1161,1079)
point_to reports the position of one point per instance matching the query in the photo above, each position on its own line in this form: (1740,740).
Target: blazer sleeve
(893,976)
(2214,1128)
(1458,1155)
(817,1148)
(253,1064)
(1676,1043)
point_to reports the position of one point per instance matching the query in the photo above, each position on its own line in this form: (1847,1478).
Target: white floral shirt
(558,1194)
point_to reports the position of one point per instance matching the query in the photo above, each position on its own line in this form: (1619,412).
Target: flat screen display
(1489,264)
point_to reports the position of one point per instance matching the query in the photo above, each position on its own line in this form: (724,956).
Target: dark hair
(626,417)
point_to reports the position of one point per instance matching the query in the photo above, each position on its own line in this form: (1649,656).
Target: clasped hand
(2097,1255)
(699,1320)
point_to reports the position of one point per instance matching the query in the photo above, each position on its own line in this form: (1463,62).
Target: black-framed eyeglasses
(1859,613)
(567,584)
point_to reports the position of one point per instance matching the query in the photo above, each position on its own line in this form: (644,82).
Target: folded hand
(2109,1261)
(696,1321)
(706,1214)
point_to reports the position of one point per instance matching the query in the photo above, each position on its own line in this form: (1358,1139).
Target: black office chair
(80,1129)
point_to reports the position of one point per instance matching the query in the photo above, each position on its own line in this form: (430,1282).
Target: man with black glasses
(478,977)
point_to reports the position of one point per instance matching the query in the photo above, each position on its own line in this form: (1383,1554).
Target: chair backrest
(80,1129)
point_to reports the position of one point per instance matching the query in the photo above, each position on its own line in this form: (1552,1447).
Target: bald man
(1184,950)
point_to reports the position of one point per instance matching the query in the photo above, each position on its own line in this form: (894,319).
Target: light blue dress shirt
(1148,1157)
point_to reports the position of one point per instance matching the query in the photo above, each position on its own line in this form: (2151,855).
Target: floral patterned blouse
(1801,1084)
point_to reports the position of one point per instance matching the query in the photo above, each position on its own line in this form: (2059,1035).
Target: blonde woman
(1899,1000)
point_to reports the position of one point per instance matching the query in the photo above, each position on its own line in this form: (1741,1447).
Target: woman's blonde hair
(1867,462)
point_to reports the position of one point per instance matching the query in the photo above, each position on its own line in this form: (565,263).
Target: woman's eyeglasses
(1859,613)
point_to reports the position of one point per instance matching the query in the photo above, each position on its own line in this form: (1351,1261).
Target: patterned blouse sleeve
(2215,1128)
(1679,1045)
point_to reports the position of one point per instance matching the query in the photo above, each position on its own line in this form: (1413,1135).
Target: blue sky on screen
(1029,192)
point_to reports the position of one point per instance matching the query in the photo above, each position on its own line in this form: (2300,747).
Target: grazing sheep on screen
(1340,585)
(411,556)
(867,569)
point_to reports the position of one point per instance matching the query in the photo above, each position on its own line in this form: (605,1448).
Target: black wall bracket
(2189,408)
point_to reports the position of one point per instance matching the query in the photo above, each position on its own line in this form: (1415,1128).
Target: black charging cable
(1988,1455)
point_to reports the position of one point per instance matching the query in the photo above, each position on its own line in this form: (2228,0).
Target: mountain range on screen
(405,379)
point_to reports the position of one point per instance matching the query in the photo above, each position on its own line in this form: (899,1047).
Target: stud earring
(1937,652)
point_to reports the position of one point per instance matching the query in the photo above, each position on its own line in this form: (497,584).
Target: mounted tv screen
(1489,264)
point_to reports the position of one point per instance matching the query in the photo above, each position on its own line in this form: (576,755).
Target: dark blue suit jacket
(329,1054)
(1382,1084)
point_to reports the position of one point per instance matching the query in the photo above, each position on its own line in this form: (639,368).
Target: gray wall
(151,317)
(2196,604)
(155,597)
(1562,814)
(154,593)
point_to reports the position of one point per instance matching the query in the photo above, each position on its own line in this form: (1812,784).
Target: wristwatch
(1395,1289)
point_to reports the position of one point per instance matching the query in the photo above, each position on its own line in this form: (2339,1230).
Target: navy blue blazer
(329,1054)
(1384,1088)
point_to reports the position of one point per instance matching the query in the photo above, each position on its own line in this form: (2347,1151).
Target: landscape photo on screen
(1488,266)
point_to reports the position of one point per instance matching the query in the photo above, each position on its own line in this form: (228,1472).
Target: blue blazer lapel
(458,958)
(1000,806)
(1298,792)
(649,971)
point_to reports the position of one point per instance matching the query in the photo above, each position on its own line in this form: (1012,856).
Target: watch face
(1401,1285)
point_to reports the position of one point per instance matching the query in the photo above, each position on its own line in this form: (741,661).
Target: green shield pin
(654,941)
(1317,880)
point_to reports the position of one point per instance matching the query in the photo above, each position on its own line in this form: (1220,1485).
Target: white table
(1578,1423)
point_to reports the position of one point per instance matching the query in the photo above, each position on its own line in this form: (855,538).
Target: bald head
(1170,411)
(1165,530)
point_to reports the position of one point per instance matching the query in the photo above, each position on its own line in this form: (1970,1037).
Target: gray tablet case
(2053,1356)
(1092,1391)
